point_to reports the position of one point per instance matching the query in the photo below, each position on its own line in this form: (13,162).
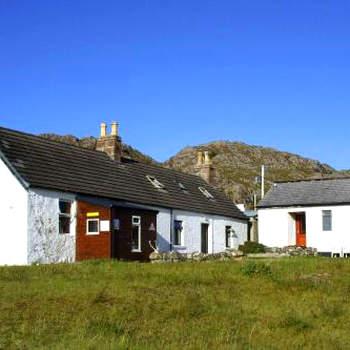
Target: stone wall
(45,244)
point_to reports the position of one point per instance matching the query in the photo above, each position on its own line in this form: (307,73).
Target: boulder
(232,253)
(156,257)
(198,256)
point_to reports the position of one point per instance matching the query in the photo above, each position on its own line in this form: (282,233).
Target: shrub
(252,247)
(255,268)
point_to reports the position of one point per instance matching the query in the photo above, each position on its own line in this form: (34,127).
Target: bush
(254,268)
(252,247)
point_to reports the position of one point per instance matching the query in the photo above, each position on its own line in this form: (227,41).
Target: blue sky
(177,73)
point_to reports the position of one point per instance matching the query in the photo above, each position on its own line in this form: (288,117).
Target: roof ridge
(49,140)
(310,180)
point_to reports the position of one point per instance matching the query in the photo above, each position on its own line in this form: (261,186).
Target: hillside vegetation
(293,303)
(237,164)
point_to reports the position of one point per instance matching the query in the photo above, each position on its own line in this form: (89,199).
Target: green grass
(296,303)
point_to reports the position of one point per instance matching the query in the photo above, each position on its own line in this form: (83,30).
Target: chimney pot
(103,131)
(114,131)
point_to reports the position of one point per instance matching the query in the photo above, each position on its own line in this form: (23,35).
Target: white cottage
(309,213)
(63,203)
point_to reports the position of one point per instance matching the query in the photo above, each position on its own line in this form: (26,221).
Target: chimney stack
(110,144)
(204,167)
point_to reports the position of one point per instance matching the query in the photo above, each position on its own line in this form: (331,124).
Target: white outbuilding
(310,213)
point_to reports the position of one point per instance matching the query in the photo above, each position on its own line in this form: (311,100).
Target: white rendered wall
(192,231)
(277,228)
(163,229)
(45,244)
(13,218)
(239,236)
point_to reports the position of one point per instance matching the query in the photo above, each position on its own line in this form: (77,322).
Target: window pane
(135,237)
(64,224)
(135,220)
(228,236)
(177,232)
(327,220)
(93,226)
(64,207)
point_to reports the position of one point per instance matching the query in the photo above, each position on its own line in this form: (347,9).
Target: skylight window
(206,193)
(183,187)
(156,183)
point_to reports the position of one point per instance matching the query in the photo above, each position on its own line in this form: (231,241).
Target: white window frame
(65,215)
(156,183)
(138,250)
(87,227)
(206,193)
(182,238)
(330,212)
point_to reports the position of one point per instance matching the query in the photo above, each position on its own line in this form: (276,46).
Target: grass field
(295,303)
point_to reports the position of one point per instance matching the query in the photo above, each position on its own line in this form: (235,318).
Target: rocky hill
(237,164)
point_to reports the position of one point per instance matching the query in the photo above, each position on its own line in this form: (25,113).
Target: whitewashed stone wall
(45,244)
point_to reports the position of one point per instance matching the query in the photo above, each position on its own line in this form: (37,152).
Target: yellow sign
(93,214)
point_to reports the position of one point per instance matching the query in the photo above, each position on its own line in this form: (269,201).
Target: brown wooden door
(300,230)
(123,244)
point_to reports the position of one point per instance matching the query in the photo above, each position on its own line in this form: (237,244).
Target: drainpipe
(212,236)
(171,229)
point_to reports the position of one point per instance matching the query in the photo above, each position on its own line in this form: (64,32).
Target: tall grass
(296,303)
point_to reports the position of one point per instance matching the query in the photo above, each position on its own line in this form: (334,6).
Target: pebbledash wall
(13,218)
(45,244)
(277,228)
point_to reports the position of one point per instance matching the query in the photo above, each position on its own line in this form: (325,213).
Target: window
(178,233)
(183,187)
(206,193)
(136,234)
(327,220)
(64,216)
(92,226)
(228,233)
(156,183)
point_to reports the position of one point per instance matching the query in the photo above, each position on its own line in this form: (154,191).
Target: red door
(300,230)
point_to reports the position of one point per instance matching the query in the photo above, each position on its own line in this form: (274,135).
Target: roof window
(206,193)
(183,187)
(156,183)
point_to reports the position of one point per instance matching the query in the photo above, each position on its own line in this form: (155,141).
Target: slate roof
(308,193)
(56,166)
